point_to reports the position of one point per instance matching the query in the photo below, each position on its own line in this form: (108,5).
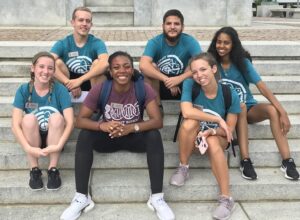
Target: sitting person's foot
(288,166)
(224,209)
(180,175)
(80,203)
(157,203)
(247,169)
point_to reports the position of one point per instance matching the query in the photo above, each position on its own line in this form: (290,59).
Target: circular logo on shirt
(170,65)
(79,65)
(238,87)
(204,125)
(43,114)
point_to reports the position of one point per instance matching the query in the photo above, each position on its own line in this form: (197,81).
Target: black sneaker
(36,182)
(288,166)
(247,169)
(54,181)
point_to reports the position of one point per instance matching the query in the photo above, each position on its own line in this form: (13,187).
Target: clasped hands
(115,128)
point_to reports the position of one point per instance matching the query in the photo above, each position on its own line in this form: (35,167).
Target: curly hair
(237,53)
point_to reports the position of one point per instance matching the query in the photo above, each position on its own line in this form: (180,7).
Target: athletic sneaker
(180,175)
(80,203)
(157,203)
(288,166)
(247,169)
(224,209)
(54,181)
(35,181)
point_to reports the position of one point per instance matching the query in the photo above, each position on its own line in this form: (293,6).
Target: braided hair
(31,82)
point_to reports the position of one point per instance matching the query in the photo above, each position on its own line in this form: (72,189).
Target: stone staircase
(119,182)
(111,12)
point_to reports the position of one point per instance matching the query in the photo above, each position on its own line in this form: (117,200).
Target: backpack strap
(140,91)
(227,97)
(195,92)
(104,95)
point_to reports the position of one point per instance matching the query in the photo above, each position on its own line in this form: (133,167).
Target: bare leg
(56,127)
(261,112)
(187,133)
(30,128)
(242,132)
(218,162)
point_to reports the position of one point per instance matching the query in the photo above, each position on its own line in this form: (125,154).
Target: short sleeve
(150,49)
(150,94)
(100,47)
(187,90)
(57,48)
(91,101)
(252,75)
(235,107)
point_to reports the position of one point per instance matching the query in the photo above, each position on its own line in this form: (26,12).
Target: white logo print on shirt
(120,112)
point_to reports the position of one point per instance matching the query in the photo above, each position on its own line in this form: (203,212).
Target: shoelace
(290,164)
(225,202)
(181,169)
(161,202)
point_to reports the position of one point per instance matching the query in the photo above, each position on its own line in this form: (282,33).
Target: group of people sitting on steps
(172,66)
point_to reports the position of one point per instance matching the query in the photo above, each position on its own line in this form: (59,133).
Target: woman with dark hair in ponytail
(237,70)
(48,120)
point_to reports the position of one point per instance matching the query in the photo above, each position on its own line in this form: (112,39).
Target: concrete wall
(37,12)
(146,12)
(196,12)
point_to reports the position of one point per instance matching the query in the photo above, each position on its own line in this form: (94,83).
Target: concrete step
(277,84)
(263,153)
(121,211)
(132,185)
(256,131)
(182,211)
(291,103)
(277,67)
(258,49)
(264,67)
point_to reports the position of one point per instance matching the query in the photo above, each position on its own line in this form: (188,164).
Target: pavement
(261,29)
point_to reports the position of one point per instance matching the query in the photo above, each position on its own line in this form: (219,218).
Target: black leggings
(148,141)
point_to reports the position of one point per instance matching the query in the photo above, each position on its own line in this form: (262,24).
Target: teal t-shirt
(240,82)
(79,59)
(215,106)
(172,60)
(40,106)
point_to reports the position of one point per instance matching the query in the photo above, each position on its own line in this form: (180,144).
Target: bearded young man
(165,59)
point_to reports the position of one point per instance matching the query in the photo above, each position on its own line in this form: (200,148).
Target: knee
(189,126)
(272,112)
(153,138)
(56,121)
(30,122)
(214,146)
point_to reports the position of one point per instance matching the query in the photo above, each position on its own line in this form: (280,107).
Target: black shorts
(165,93)
(44,135)
(86,86)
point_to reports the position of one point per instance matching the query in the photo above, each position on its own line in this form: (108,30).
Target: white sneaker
(157,203)
(79,203)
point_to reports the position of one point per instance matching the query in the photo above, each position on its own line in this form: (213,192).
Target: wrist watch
(136,128)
